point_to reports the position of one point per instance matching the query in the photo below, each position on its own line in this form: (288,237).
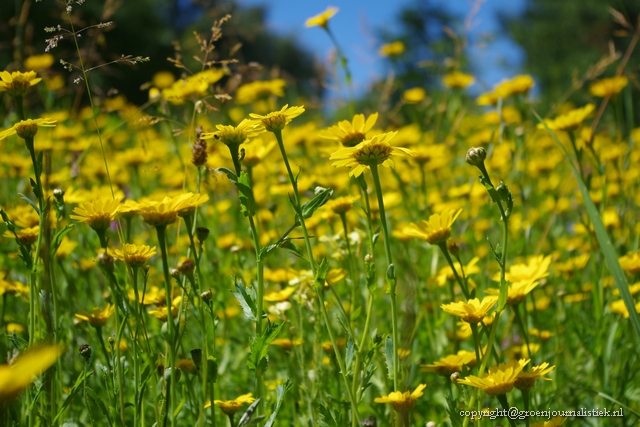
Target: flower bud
(455,377)
(196,355)
(174,273)
(368,422)
(105,261)
(202,233)
(207,295)
(186,266)
(475,156)
(85,352)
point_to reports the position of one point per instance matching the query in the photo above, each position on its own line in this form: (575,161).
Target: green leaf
(388,355)
(349,355)
(314,204)
(321,274)
(74,390)
(454,413)
(246,417)
(57,239)
(260,347)
(100,402)
(28,200)
(247,299)
(245,193)
(604,240)
(281,390)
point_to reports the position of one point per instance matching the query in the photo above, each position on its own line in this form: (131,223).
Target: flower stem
(447,256)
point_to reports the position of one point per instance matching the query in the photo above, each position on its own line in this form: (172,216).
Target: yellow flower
(162,313)
(519,84)
(39,62)
(351,133)
(322,19)
(17,83)
(250,92)
(487,98)
(17,376)
(230,407)
(435,231)
(619,307)
(392,49)
(133,255)
(256,150)
(277,120)
(526,379)
(286,343)
(608,87)
(536,268)
(186,204)
(414,95)
(281,295)
(26,236)
(27,128)
(163,79)
(99,316)
(374,151)
(569,121)
(159,214)
(402,402)
(458,80)
(451,363)
(472,311)
(516,291)
(499,380)
(630,262)
(234,135)
(341,205)
(98,214)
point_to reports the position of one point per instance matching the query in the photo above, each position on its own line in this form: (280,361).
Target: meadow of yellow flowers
(231,260)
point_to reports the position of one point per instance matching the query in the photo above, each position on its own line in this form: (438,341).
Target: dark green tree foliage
(563,38)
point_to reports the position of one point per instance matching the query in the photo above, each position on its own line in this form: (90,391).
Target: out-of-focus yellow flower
(395,48)
(17,83)
(487,98)
(163,79)
(277,120)
(571,120)
(414,95)
(619,307)
(435,231)
(350,134)
(322,19)
(98,214)
(230,407)
(374,151)
(526,379)
(27,128)
(99,316)
(133,255)
(472,311)
(250,92)
(39,62)
(281,295)
(518,84)
(458,80)
(630,262)
(402,402)
(499,380)
(26,236)
(452,363)
(286,343)
(609,86)
(17,376)
(341,205)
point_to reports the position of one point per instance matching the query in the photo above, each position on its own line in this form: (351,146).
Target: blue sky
(357,25)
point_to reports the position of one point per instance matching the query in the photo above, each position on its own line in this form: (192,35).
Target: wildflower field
(230,253)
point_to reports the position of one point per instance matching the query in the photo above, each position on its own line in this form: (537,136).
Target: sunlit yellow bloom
(281,295)
(186,204)
(402,402)
(609,86)
(472,311)
(162,313)
(249,92)
(526,379)
(630,262)
(569,121)
(553,422)
(392,49)
(458,80)
(446,273)
(230,407)
(256,150)
(27,128)
(152,296)
(536,268)
(159,214)
(192,86)
(516,291)
(277,120)
(17,376)
(234,135)
(341,205)
(39,62)
(487,98)
(99,316)
(98,214)
(374,151)
(452,363)
(414,95)
(435,231)
(163,79)
(619,307)
(499,380)
(286,343)
(133,255)
(17,83)
(322,19)
(518,84)
(351,133)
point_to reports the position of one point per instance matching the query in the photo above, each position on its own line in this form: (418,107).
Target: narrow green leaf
(604,240)
(317,202)
(28,200)
(247,299)
(388,355)
(281,390)
(244,420)
(260,347)
(57,239)
(74,390)
(100,402)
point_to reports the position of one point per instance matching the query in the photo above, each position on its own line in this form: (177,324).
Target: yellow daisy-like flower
(536,268)
(472,311)
(392,49)
(277,120)
(341,205)
(487,99)
(26,236)
(402,402)
(249,92)
(499,380)
(286,343)
(630,262)
(414,95)
(351,133)
(39,62)
(458,80)
(99,316)
(526,379)
(234,135)
(133,255)
(608,87)
(230,407)
(374,151)
(516,291)
(553,422)
(451,363)
(571,120)
(435,231)
(322,19)
(17,83)
(186,204)
(519,84)
(256,150)
(16,377)
(162,313)
(159,214)
(27,128)
(98,214)
(619,307)
(281,295)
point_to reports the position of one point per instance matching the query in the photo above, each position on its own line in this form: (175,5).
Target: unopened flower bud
(475,156)
(202,233)
(186,266)
(207,295)
(105,261)
(112,342)
(85,352)
(368,259)
(453,245)
(196,355)
(455,377)
(368,422)
(431,424)
(174,273)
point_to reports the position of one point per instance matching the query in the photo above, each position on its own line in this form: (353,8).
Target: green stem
(502,398)
(390,276)
(447,256)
